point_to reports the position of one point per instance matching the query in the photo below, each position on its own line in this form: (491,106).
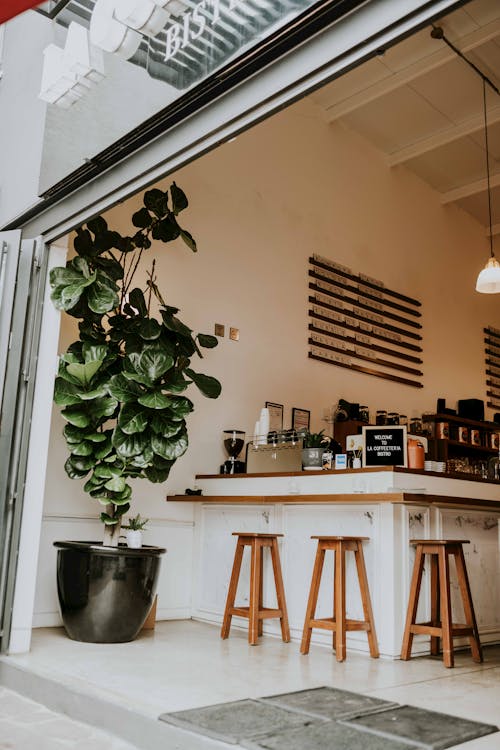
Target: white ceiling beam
(394,81)
(437,140)
(472,188)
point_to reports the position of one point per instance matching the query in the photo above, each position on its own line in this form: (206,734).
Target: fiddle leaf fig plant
(121,384)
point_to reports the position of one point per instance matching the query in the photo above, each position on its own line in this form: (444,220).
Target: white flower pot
(134,539)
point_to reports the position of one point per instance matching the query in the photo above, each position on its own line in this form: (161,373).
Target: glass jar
(393,417)
(494,468)
(403,419)
(381,417)
(416,426)
(364,414)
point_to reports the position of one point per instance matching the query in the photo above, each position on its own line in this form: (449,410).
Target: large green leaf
(164,425)
(170,448)
(129,445)
(166,229)
(102,407)
(133,419)
(74,434)
(103,472)
(68,283)
(97,225)
(76,416)
(112,268)
(96,437)
(189,240)
(179,200)
(208,342)
(175,381)
(103,450)
(180,406)
(157,475)
(144,459)
(150,329)
(95,393)
(136,299)
(124,390)
(174,324)
(82,449)
(83,243)
(208,385)
(66,394)
(101,298)
(154,400)
(84,372)
(142,218)
(156,201)
(116,484)
(94,352)
(72,471)
(151,363)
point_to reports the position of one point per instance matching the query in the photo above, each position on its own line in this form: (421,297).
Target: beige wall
(259,207)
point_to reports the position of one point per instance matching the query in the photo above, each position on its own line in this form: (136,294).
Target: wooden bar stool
(441,625)
(256,612)
(338,623)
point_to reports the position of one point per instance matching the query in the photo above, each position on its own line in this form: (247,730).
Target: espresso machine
(234,440)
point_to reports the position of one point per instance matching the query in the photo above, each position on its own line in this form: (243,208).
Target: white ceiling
(422,106)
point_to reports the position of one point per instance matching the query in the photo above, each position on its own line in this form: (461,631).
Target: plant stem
(112,533)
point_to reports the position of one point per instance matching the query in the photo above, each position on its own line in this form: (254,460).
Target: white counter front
(389,506)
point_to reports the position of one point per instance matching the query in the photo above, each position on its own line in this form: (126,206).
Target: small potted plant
(134,529)
(313,446)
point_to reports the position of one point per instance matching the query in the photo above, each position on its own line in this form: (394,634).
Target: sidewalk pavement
(26,725)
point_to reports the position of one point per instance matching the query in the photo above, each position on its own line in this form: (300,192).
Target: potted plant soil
(121,388)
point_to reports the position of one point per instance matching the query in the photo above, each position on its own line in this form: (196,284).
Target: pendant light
(488,281)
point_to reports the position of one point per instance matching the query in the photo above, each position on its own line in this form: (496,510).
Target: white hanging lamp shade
(488,281)
(144,16)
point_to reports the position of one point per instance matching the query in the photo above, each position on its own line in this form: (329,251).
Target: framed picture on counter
(300,419)
(385,446)
(275,416)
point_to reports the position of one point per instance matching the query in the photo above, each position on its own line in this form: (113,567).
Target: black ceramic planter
(105,593)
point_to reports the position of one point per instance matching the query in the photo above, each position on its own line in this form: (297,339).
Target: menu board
(384,446)
(492,361)
(356,322)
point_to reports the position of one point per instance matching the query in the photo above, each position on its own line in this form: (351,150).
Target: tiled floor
(185,664)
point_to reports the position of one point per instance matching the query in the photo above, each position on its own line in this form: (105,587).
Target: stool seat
(256,612)
(440,625)
(339,624)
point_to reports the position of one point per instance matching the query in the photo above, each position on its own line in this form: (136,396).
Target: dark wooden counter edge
(367,497)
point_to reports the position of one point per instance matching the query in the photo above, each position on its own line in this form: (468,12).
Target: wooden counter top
(367,497)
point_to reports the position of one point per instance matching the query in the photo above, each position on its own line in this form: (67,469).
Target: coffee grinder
(234,440)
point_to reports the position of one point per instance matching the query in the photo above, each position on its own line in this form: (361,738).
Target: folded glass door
(22,280)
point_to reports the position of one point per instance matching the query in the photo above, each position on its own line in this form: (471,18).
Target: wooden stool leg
(470,617)
(255,582)
(444,585)
(233,585)
(261,591)
(435,610)
(280,591)
(313,599)
(365,599)
(339,584)
(416,580)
